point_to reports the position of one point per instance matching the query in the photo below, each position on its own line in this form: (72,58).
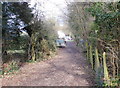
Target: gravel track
(68,68)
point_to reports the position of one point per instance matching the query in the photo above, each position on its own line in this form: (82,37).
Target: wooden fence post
(87,48)
(97,62)
(98,69)
(106,77)
(91,56)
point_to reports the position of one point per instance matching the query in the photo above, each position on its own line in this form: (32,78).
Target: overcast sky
(52,8)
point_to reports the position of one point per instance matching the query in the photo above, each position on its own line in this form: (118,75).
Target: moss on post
(98,69)
(91,56)
(106,77)
(87,48)
(97,62)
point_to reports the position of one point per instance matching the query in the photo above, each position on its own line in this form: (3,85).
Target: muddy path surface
(68,68)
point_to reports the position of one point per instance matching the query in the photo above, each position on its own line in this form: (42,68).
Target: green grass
(16,51)
(1,72)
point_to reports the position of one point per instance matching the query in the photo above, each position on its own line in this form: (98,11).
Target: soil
(68,68)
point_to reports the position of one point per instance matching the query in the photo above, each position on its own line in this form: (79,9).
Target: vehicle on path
(60,42)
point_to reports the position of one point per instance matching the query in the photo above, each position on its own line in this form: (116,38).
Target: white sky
(52,8)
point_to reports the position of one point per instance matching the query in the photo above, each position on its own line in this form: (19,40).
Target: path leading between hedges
(67,68)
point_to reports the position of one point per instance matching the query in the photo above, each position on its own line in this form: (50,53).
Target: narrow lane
(67,68)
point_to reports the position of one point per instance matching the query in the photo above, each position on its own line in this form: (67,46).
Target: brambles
(105,34)
(102,32)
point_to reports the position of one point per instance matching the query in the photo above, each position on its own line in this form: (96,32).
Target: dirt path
(68,68)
